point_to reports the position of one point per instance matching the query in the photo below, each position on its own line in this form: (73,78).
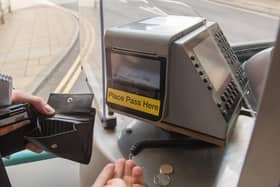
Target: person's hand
(37,102)
(124,173)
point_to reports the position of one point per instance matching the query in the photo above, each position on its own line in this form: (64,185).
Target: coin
(162,180)
(166,169)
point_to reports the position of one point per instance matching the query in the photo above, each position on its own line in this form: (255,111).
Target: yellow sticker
(133,101)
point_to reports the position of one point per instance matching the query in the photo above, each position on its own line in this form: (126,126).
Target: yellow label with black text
(133,101)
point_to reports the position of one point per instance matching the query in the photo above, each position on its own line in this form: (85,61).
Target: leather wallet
(67,134)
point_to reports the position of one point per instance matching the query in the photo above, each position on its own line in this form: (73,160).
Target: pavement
(270,7)
(34,40)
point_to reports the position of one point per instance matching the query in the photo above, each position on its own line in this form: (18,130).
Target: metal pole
(109,123)
(102,58)
(2,13)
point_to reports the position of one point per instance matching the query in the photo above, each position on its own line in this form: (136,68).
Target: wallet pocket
(64,137)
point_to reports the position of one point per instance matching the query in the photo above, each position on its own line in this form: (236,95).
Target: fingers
(138,185)
(116,182)
(121,174)
(33,148)
(106,174)
(129,164)
(37,102)
(138,175)
(133,174)
(119,169)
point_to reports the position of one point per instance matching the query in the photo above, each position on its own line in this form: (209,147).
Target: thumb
(41,106)
(36,102)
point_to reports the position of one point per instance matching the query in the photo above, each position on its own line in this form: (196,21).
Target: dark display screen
(213,63)
(137,70)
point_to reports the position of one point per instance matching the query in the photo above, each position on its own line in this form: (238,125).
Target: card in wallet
(15,121)
(69,133)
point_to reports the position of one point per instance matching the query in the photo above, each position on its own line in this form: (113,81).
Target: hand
(124,173)
(38,103)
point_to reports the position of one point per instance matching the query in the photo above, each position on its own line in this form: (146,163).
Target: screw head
(69,100)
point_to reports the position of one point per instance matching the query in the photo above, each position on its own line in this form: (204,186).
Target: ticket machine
(178,73)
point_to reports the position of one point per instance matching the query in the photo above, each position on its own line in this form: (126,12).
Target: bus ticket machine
(175,72)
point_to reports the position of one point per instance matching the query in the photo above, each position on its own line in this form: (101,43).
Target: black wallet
(67,134)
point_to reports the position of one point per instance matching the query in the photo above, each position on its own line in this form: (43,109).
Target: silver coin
(162,180)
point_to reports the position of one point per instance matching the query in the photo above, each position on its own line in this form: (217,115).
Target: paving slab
(34,40)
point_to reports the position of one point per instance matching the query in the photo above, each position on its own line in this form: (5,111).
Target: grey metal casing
(188,102)
(152,37)
(193,107)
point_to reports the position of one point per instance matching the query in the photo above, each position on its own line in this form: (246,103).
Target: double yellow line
(68,81)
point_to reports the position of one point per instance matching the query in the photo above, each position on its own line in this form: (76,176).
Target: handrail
(26,157)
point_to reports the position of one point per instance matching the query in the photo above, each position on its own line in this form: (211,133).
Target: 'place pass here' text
(133,101)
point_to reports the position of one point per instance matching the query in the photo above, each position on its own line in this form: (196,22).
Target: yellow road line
(73,80)
(67,76)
